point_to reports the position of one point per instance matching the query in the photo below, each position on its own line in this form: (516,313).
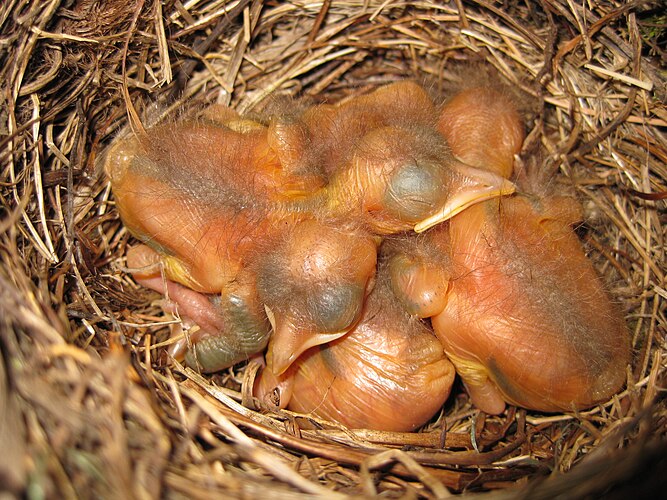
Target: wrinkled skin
(224,204)
(388,373)
(527,320)
(242,217)
(210,227)
(515,302)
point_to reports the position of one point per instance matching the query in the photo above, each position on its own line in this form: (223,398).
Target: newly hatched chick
(527,320)
(524,318)
(402,178)
(314,283)
(209,200)
(385,162)
(196,234)
(389,373)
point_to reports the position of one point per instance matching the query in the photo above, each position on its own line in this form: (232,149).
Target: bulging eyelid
(416,189)
(336,307)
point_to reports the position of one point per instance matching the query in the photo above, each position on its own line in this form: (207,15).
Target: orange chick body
(388,373)
(386,165)
(209,202)
(217,200)
(527,320)
(287,218)
(515,302)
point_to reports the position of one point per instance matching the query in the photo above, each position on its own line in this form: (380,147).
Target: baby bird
(246,215)
(388,373)
(314,284)
(384,161)
(515,302)
(209,201)
(526,320)
(402,178)
(199,237)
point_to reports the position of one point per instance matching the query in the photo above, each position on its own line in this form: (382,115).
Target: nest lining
(88,406)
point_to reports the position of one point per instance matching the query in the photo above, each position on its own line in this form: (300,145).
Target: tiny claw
(486,397)
(479,185)
(143,262)
(275,391)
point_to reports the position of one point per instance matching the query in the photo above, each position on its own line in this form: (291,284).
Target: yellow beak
(477,185)
(288,342)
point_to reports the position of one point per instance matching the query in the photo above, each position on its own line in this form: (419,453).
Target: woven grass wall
(88,405)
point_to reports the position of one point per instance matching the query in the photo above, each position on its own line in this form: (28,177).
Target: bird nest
(88,405)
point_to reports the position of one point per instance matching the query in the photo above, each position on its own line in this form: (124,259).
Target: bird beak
(288,342)
(477,185)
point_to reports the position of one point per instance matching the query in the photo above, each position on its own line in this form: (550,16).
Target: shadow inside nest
(91,403)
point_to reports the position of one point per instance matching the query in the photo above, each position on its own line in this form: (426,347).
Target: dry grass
(87,406)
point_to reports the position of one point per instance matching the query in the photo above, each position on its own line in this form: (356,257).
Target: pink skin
(524,319)
(388,373)
(527,320)
(229,325)
(192,306)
